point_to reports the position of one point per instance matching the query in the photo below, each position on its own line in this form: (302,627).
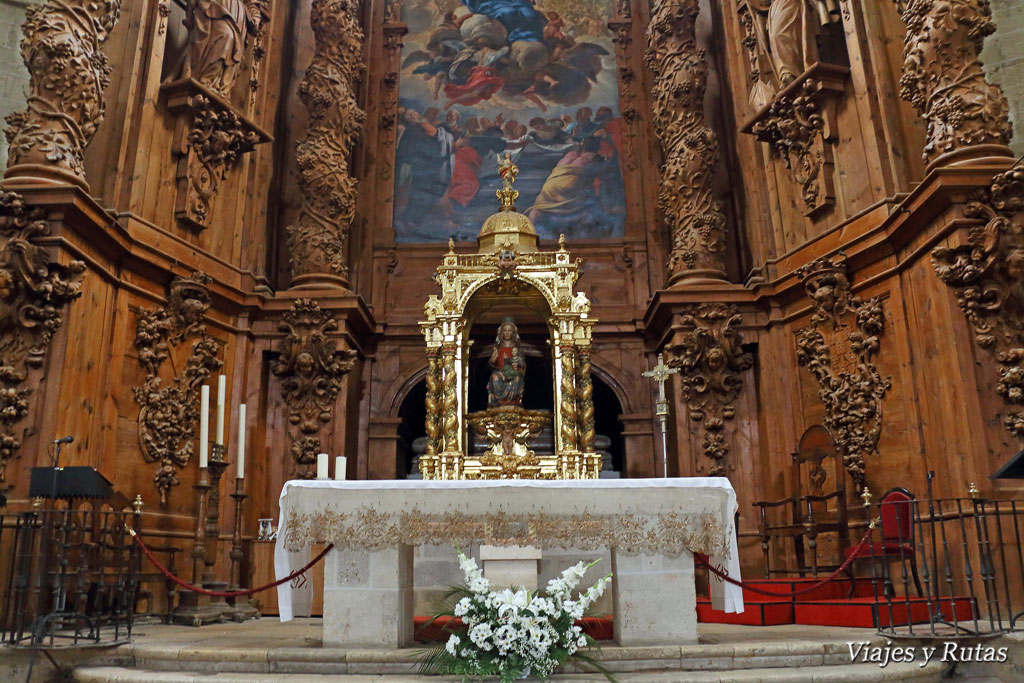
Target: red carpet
(827,605)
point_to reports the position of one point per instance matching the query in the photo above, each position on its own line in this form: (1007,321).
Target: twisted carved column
(689,146)
(318,241)
(433,402)
(966,116)
(585,400)
(450,401)
(568,399)
(67,76)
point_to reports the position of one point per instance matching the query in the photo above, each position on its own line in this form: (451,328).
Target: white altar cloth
(629,516)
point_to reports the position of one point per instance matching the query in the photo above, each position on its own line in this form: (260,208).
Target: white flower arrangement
(512,633)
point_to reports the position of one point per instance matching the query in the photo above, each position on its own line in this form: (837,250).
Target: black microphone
(66,439)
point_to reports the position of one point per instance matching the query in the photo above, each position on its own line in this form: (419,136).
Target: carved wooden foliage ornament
(839,348)
(169,412)
(711,360)
(67,76)
(689,146)
(318,241)
(987,275)
(311,369)
(34,291)
(943,77)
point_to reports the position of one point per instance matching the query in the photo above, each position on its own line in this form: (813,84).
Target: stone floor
(267,651)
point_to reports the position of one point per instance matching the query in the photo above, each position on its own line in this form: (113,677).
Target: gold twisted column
(585,405)
(568,408)
(450,412)
(433,421)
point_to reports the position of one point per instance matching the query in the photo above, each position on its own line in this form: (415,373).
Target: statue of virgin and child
(508,367)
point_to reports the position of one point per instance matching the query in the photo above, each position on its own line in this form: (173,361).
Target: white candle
(204,425)
(222,391)
(241,441)
(339,468)
(321,466)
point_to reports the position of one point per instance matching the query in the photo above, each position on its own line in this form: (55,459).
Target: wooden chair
(897,512)
(809,513)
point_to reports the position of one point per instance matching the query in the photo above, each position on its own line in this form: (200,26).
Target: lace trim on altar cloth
(369,529)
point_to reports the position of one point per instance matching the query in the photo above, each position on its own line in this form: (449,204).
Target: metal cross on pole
(660,373)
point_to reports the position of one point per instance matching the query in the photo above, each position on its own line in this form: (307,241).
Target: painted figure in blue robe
(519,17)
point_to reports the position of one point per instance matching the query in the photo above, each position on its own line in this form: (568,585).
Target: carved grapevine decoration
(690,148)
(218,138)
(839,348)
(34,291)
(318,241)
(943,77)
(67,76)
(169,413)
(987,275)
(311,369)
(710,358)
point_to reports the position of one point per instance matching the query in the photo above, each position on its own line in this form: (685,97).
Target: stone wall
(1004,61)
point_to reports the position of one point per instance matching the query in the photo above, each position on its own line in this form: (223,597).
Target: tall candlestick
(222,392)
(241,441)
(321,466)
(204,425)
(339,468)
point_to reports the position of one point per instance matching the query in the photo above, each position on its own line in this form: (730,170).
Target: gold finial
(972,490)
(37,502)
(561,242)
(451,245)
(137,504)
(508,171)
(866,496)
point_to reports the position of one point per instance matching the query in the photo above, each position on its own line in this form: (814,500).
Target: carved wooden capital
(34,291)
(169,411)
(839,347)
(690,148)
(67,76)
(213,137)
(800,125)
(966,116)
(318,241)
(708,351)
(986,272)
(311,369)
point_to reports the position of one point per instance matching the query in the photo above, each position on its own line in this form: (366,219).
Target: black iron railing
(69,577)
(946,567)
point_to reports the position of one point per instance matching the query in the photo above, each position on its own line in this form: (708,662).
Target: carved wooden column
(585,400)
(311,368)
(433,405)
(449,410)
(708,351)
(318,242)
(567,409)
(67,76)
(689,146)
(36,291)
(966,116)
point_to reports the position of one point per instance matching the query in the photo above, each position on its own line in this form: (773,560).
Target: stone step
(846,673)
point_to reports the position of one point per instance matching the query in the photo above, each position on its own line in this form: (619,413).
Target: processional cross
(660,373)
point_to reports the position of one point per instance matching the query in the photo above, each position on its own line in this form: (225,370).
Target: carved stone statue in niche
(792,28)
(505,386)
(217,33)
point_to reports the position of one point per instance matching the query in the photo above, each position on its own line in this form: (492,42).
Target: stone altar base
(510,566)
(654,599)
(368,598)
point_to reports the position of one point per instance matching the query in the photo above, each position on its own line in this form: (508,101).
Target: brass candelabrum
(194,609)
(243,609)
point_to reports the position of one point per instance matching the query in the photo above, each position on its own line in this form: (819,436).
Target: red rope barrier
(223,594)
(792,594)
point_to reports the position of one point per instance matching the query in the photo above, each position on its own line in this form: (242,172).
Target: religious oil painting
(532,78)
